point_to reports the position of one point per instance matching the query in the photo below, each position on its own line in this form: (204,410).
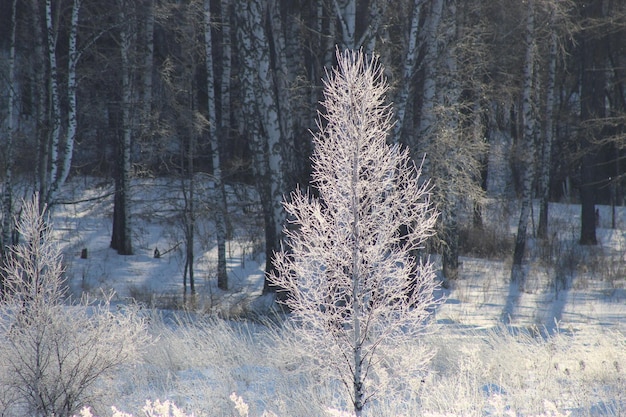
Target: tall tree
(527,150)
(215,126)
(121,239)
(261,111)
(353,287)
(408,71)
(6,238)
(593,66)
(548,126)
(61,152)
(446,133)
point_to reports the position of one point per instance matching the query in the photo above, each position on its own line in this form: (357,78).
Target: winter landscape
(293,208)
(480,367)
(367,331)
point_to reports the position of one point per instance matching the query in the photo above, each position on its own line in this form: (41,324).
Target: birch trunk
(65,159)
(60,162)
(346,14)
(55,102)
(263,123)
(218,191)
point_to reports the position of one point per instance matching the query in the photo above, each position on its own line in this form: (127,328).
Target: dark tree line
(506,99)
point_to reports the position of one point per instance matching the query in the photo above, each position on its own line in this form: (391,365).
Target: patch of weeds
(486,241)
(141,294)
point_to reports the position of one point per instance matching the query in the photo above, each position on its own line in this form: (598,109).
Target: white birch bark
(65,157)
(346,13)
(55,101)
(263,121)
(218,191)
(61,153)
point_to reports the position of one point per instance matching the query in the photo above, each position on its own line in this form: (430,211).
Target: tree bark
(592,109)
(429,89)
(408,70)
(218,190)
(148,59)
(546,151)
(6,238)
(528,150)
(55,104)
(38,74)
(263,123)
(121,233)
(346,14)
(60,153)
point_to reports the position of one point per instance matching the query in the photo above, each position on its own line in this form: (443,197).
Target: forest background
(502,101)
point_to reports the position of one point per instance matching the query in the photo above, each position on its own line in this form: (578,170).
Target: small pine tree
(354,288)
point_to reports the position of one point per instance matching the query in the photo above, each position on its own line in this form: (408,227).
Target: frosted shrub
(355,290)
(55,355)
(151,409)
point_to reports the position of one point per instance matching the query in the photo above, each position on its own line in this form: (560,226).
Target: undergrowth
(198,364)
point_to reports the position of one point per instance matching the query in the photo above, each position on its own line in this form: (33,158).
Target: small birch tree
(56,355)
(353,287)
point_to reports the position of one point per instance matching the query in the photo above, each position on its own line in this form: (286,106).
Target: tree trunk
(148,61)
(6,238)
(528,152)
(218,190)
(226,65)
(55,104)
(450,253)
(592,103)
(65,160)
(546,151)
(263,123)
(190,218)
(121,233)
(41,167)
(346,14)
(60,162)
(408,69)
(429,89)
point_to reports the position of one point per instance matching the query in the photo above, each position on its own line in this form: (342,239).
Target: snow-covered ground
(480,368)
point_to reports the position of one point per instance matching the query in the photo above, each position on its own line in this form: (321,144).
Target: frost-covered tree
(56,356)
(354,289)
